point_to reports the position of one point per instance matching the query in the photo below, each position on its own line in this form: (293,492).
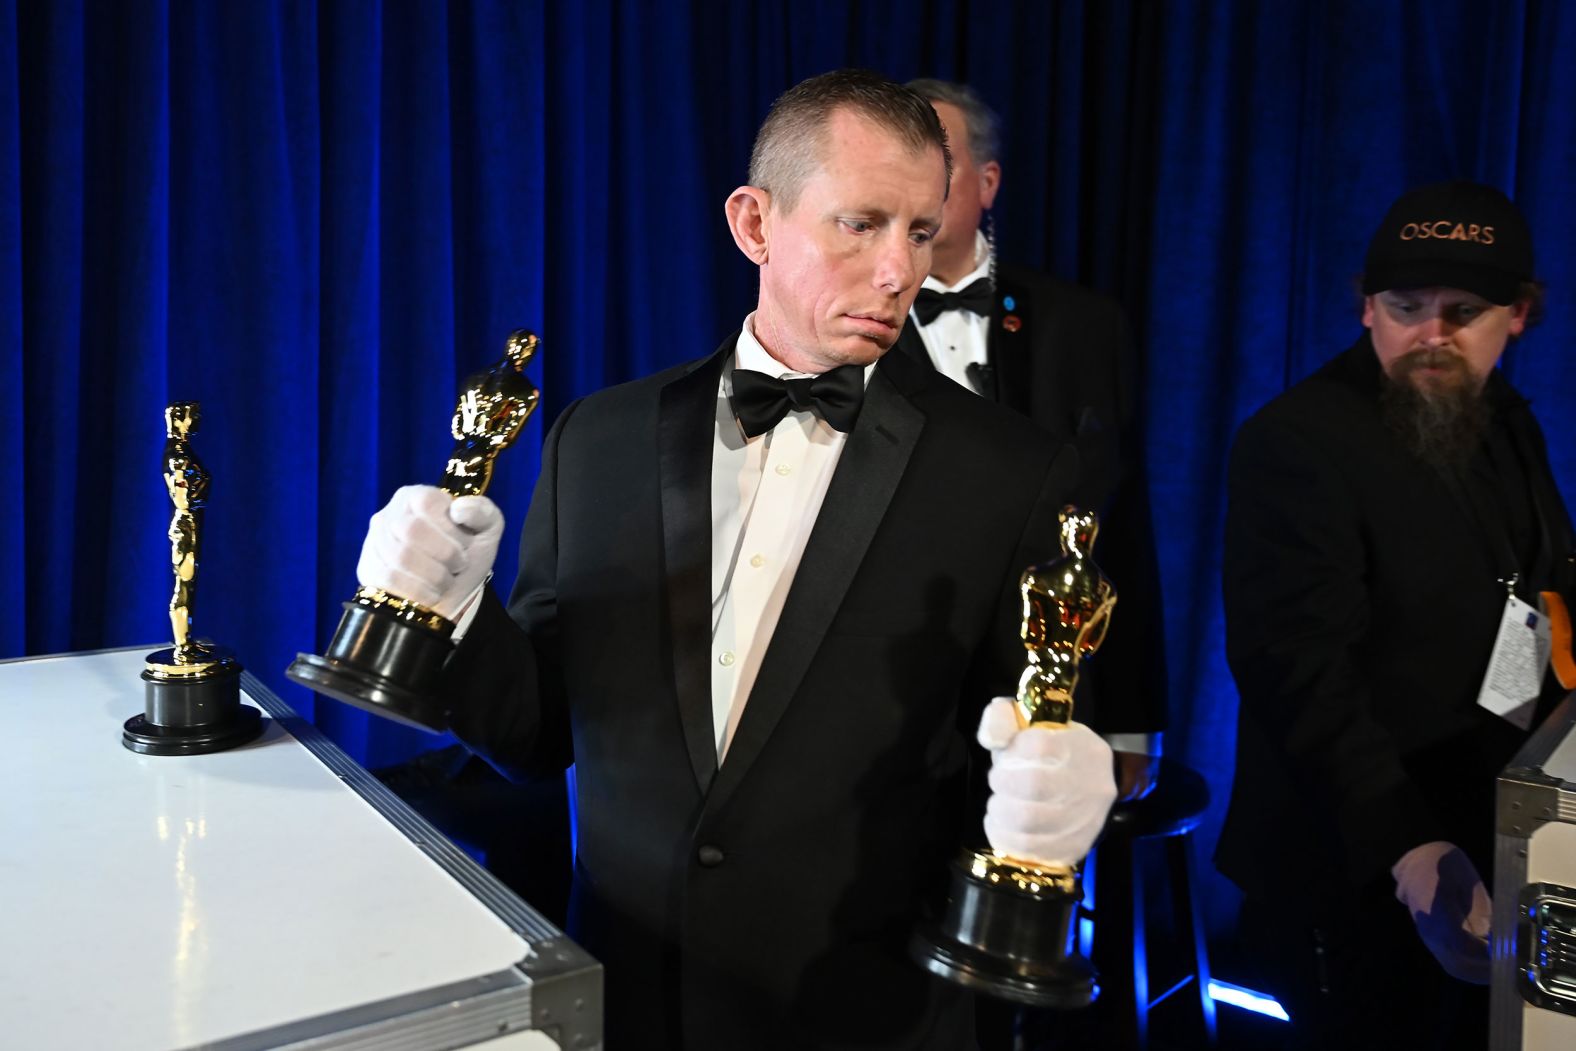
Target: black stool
(1169,813)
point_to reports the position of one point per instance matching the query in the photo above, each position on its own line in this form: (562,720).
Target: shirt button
(709,856)
(757,561)
(725,658)
(783,468)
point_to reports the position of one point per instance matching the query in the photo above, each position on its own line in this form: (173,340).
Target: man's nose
(895,269)
(1437,329)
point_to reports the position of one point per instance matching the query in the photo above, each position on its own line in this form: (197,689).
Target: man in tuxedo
(1062,356)
(1385,517)
(763,600)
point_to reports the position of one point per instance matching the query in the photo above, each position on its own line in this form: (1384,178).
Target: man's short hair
(788,146)
(984,126)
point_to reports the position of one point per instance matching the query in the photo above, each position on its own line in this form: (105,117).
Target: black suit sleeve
(1297,609)
(505,679)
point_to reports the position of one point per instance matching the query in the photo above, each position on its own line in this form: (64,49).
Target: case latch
(1546,946)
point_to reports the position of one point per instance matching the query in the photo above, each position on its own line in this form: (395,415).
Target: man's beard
(1439,419)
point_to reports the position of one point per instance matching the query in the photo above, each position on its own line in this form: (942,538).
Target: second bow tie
(761,401)
(977,297)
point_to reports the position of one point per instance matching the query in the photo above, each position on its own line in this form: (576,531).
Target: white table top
(160,902)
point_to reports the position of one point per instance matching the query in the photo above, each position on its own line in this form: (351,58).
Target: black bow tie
(978,297)
(761,401)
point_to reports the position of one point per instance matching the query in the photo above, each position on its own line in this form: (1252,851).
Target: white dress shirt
(766,493)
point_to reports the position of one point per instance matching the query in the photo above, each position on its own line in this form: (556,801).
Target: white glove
(431,548)
(1050,788)
(1451,908)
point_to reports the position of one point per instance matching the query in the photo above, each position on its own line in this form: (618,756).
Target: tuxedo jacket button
(709,856)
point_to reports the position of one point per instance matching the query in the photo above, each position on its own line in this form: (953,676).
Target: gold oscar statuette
(193,687)
(1007,931)
(388,653)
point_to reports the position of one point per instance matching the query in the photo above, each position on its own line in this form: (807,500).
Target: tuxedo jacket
(1362,600)
(765,903)
(1062,356)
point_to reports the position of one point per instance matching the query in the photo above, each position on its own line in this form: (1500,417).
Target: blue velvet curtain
(315,219)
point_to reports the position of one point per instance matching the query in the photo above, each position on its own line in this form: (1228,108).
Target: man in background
(1062,356)
(1391,518)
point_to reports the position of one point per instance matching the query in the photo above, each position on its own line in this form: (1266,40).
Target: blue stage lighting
(1236,996)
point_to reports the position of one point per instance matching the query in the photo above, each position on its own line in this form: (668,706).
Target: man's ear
(990,183)
(1519,312)
(748,208)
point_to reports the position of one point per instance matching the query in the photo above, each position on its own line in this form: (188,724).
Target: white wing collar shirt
(956,339)
(766,493)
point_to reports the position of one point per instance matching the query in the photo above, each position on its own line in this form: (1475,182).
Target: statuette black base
(191,715)
(383,665)
(1000,940)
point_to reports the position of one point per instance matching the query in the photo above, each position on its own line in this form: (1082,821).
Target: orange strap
(1560,638)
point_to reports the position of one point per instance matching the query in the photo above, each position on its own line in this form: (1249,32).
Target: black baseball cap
(1451,235)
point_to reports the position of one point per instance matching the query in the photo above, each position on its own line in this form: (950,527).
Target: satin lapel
(867,475)
(685,433)
(1008,342)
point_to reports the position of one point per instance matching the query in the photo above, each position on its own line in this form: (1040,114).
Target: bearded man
(1383,515)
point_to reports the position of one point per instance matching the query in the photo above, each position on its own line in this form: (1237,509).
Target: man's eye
(922,237)
(858,226)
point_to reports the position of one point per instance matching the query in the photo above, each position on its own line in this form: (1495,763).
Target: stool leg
(1119,948)
(1190,925)
(1140,956)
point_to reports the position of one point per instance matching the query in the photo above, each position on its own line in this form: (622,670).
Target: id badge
(1515,668)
